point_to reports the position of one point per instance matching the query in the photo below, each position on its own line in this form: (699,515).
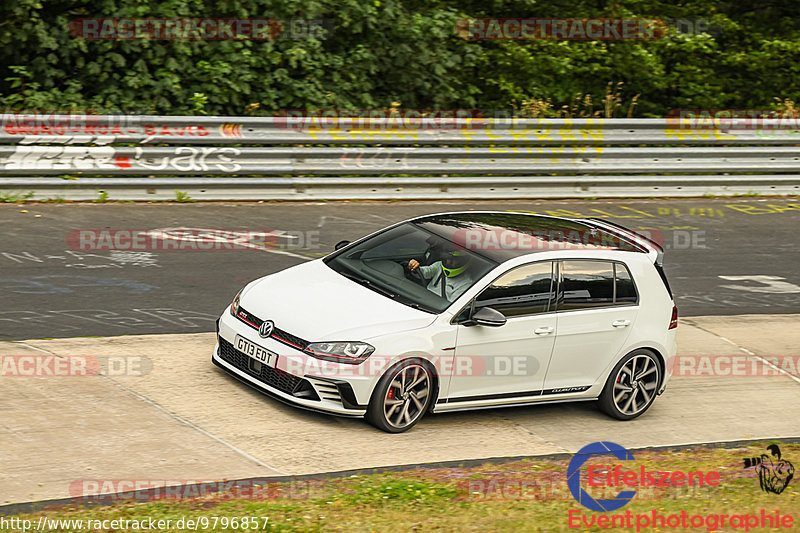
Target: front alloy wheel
(632,386)
(401,397)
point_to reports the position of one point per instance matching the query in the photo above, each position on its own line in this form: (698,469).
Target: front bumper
(290,381)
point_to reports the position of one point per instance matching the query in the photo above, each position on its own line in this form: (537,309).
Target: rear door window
(586,284)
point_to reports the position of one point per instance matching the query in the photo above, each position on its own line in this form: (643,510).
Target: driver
(448,278)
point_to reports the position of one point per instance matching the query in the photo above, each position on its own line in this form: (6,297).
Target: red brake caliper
(390,394)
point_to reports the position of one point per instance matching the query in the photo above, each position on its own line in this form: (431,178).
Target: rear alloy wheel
(401,397)
(632,386)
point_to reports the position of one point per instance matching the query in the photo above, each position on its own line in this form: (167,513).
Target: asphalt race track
(724,257)
(158,409)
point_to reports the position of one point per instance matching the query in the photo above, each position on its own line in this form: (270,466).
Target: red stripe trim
(306,350)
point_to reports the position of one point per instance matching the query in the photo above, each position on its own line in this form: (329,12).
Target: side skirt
(450,408)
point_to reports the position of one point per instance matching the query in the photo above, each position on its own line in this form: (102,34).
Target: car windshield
(439,273)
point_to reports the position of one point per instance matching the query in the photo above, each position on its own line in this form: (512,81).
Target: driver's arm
(426,272)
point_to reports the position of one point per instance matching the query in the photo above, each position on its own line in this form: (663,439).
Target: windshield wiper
(367,283)
(421,307)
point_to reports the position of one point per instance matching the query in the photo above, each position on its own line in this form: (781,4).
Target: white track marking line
(745,350)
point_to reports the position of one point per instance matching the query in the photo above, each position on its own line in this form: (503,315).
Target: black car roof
(501,236)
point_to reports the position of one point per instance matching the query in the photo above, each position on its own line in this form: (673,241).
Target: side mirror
(486,316)
(341,244)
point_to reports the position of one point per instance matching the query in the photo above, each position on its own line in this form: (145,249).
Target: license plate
(256,352)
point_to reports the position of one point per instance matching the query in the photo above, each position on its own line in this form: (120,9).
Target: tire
(402,396)
(632,386)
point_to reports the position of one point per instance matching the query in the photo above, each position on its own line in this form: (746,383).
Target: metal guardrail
(228,160)
(412,188)
(322,158)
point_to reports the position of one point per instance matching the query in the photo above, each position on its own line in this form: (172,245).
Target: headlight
(341,352)
(235,304)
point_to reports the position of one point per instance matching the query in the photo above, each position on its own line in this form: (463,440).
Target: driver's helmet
(455,263)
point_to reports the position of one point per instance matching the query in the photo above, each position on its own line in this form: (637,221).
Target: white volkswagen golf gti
(458,311)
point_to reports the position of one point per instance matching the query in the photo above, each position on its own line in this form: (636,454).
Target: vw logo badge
(265,330)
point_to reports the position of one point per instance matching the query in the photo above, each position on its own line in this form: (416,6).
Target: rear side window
(588,284)
(525,290)
(626,290)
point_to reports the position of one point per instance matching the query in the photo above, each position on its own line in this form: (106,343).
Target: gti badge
(265,330)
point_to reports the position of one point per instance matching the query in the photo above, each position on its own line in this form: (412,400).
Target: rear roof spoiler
(654,250)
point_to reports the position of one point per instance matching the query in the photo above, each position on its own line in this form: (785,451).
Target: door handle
(620,323)
(543,331)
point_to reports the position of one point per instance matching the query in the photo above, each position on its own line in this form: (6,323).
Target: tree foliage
(405,52)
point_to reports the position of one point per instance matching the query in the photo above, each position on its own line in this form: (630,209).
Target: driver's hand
(413,264)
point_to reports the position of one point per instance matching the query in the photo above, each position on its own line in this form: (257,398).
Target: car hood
(314,302)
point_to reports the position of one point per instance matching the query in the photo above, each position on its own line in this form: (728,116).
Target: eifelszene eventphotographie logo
(774,472)
(614,476)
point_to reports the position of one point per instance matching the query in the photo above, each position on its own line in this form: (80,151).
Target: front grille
(274,377)
(278,334)
(287,338)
